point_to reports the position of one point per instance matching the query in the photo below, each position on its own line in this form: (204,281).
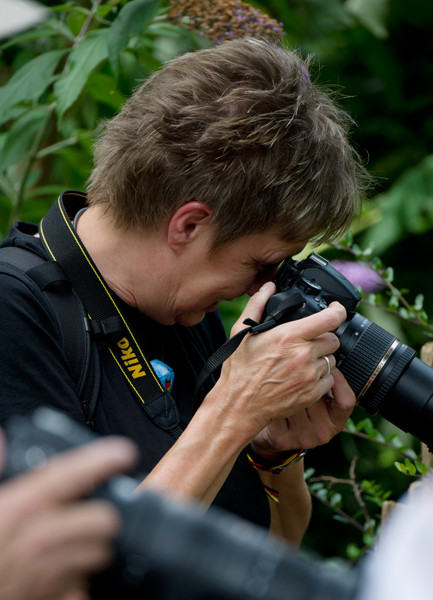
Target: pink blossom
(360,275)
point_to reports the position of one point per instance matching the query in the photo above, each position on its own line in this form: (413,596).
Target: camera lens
(386,377)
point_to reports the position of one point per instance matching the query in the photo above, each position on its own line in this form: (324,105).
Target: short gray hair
(242,128)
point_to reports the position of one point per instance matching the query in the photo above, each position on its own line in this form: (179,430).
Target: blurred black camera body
(382,371)
(170,550)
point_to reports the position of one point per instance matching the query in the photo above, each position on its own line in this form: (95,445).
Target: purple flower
(360,275)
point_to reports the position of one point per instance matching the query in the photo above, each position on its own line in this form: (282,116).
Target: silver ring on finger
(328,366)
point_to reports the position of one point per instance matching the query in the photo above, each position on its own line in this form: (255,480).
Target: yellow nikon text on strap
(130,360)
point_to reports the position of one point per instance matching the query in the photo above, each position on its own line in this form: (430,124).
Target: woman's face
(238,268)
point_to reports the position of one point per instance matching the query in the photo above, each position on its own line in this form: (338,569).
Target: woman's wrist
(265,453)
(275,465)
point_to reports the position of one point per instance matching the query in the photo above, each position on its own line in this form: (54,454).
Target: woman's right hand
(280,372)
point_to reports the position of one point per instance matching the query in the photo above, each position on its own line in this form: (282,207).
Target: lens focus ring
(373,364)
(364,357)
(387,378)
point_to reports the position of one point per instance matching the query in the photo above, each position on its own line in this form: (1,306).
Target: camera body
(171,550)
(383,372)
(317,283)
(309,286)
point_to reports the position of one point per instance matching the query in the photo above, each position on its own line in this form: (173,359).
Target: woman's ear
(189,222)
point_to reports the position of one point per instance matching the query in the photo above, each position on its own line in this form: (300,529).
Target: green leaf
(103,11)
(83,60)
(322,494)
(368,539)
(3,138)
(393,302)
(373,434)
(365,425)
(419,302)
(368,251)
(400,467)
(353,551)
(103,88)
(340,519)
(315,487)
(131,20)
(406,207)
(396,442)
(48,191)
(411,469)
(309,472)
(356,250)
(388,274)
(336,500)
(375,500)
(379,437)
(19,139)
(30,82)
(28,36)
(371,13)
(411,453)
(372,298)
(403,312)
(32,211)
(377,263)
(421,467)
(348,240)
(350,425)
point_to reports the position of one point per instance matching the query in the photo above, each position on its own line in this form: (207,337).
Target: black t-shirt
(34,371)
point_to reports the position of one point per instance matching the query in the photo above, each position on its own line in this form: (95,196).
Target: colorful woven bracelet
(276,466)
(274,495)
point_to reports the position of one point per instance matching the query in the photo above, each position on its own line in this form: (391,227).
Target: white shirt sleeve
(400,567)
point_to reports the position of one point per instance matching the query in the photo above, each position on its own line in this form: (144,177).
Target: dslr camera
(384,373)
(171,550)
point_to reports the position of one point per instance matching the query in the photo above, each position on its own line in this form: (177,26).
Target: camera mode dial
(310,286)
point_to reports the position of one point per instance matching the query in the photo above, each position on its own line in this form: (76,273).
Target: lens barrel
(371,359)
(386,377)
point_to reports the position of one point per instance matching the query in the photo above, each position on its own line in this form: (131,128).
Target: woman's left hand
(311,427)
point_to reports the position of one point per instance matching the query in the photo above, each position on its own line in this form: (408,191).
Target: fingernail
(266,286)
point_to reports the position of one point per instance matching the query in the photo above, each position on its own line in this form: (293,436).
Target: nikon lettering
(130,360)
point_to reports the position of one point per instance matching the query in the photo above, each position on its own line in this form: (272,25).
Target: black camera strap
(105,317)
(292,302)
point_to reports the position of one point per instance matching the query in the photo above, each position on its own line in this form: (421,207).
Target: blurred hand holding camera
(51,539)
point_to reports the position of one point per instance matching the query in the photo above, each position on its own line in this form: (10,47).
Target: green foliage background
(60,79)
